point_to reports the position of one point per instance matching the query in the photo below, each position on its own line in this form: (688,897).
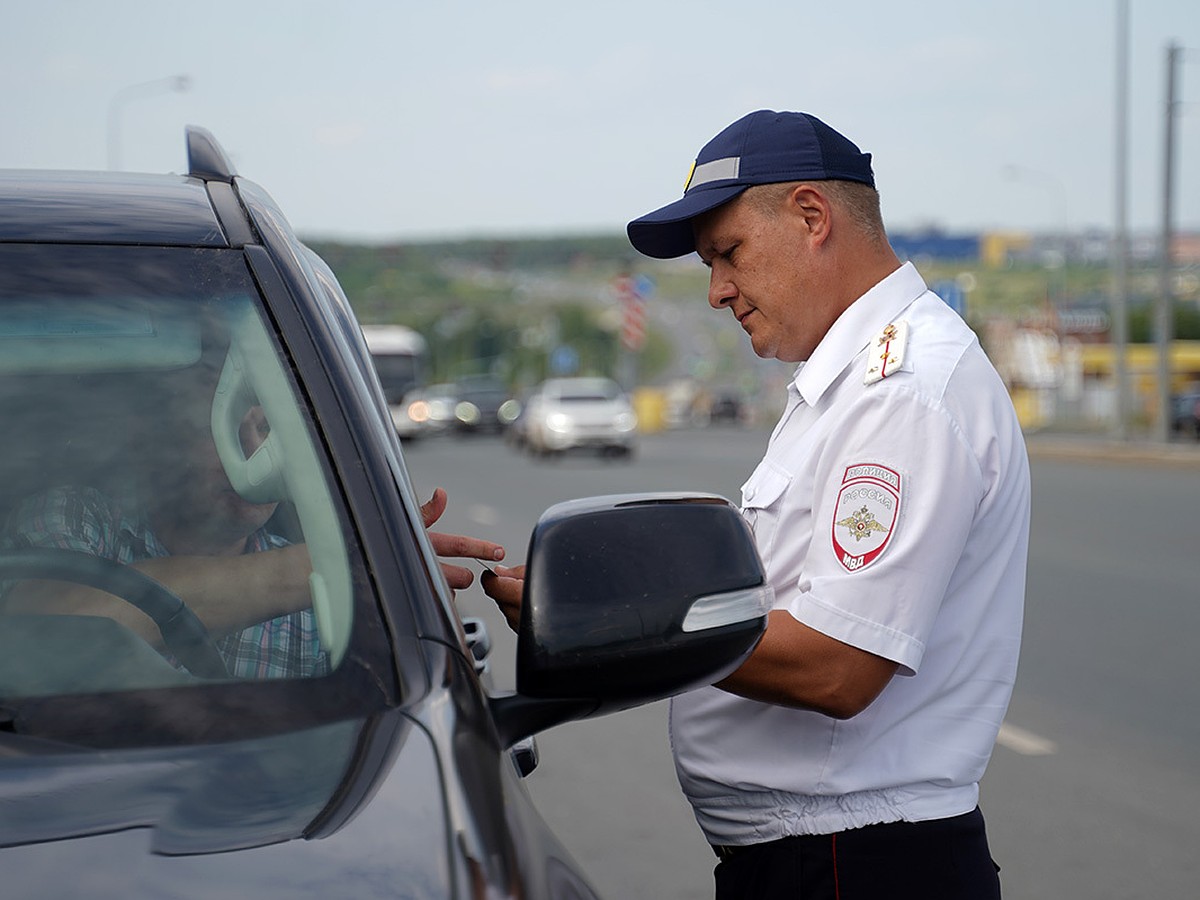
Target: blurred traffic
(510,315)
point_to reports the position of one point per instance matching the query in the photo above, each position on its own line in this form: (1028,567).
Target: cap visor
(667,232)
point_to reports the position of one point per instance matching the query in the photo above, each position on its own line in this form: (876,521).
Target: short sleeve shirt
(892,516)
(89,521)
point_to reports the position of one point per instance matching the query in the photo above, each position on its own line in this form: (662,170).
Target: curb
(1085,449)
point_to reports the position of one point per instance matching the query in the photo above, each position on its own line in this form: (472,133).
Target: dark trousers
(943,859)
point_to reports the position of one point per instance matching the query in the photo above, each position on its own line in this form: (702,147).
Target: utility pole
(1165,310)
(1119,312)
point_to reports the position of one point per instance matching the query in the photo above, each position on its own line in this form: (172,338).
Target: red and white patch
(865,515)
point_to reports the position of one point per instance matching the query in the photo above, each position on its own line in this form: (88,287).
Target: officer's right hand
(506,586)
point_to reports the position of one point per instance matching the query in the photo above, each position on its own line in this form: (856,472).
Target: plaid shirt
(86,520)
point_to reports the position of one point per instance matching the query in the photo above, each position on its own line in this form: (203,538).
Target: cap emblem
(691,174)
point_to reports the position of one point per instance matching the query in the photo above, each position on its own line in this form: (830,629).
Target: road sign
(631,294)
(564,360)
(953,294)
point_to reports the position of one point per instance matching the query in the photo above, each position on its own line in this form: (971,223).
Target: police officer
(891,511)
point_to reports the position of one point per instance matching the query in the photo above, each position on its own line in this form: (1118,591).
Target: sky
(396,121)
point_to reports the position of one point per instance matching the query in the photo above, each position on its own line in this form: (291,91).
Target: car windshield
(498,395)
(167,516)
(589,391)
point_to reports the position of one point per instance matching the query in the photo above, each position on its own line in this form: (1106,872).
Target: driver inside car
(181,523)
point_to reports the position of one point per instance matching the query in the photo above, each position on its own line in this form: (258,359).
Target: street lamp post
(1120,250)
(1164,310)
(175,83)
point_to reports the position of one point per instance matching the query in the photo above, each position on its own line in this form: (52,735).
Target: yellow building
(996,247)
(1141,362)
(1083,382)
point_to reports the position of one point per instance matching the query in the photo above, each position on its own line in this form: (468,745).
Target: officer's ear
(811,207)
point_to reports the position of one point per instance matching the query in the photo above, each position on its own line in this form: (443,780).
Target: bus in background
(399,356)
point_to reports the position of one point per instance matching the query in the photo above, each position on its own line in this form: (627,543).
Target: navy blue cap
(765,147)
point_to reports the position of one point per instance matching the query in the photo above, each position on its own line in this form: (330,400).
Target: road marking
(1024,742)
(482,514)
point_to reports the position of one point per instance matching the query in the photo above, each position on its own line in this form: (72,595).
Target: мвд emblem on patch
(865,514)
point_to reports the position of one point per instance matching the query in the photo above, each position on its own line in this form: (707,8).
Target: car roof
(44,206)
(480,382)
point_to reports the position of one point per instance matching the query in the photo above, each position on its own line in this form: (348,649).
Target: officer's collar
(849,335)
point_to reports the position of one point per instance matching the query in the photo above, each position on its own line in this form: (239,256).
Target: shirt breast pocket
(762,502)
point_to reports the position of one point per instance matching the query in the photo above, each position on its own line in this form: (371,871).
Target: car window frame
(322,329)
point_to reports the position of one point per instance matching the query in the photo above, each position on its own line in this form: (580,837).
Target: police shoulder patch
(865,514)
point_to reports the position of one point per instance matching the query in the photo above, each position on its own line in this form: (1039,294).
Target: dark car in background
(726,408)
(483,405)
(1185,414)
(140,756)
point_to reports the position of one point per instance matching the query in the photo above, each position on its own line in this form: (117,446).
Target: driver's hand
(456,545)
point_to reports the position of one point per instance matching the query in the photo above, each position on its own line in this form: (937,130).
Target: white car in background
(580,413)
(425,411)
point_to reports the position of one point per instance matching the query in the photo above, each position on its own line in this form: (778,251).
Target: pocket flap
(765,486)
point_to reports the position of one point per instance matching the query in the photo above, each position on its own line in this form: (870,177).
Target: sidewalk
(1100,448)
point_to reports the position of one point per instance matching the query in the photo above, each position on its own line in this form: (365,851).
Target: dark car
(484,405)
(726,408)
(305,716)
(1185,414)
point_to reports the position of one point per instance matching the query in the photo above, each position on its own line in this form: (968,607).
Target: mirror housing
(630,599)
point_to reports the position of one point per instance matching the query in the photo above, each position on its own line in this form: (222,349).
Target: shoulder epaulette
(885,355)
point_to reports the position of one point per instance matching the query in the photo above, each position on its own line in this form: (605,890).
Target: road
(1093,788)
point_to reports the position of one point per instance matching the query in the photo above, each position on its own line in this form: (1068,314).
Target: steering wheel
(182,631)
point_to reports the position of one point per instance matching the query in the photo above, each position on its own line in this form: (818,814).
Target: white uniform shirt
(892,516)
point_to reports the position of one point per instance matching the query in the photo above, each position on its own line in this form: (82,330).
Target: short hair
(859,201)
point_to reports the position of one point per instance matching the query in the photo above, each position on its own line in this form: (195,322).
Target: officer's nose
(721,291)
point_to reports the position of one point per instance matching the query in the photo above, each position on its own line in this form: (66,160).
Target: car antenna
(207,160)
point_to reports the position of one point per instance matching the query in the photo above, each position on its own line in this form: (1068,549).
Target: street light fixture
(175,83)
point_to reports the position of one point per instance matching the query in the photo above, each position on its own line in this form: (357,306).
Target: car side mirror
(630,599)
